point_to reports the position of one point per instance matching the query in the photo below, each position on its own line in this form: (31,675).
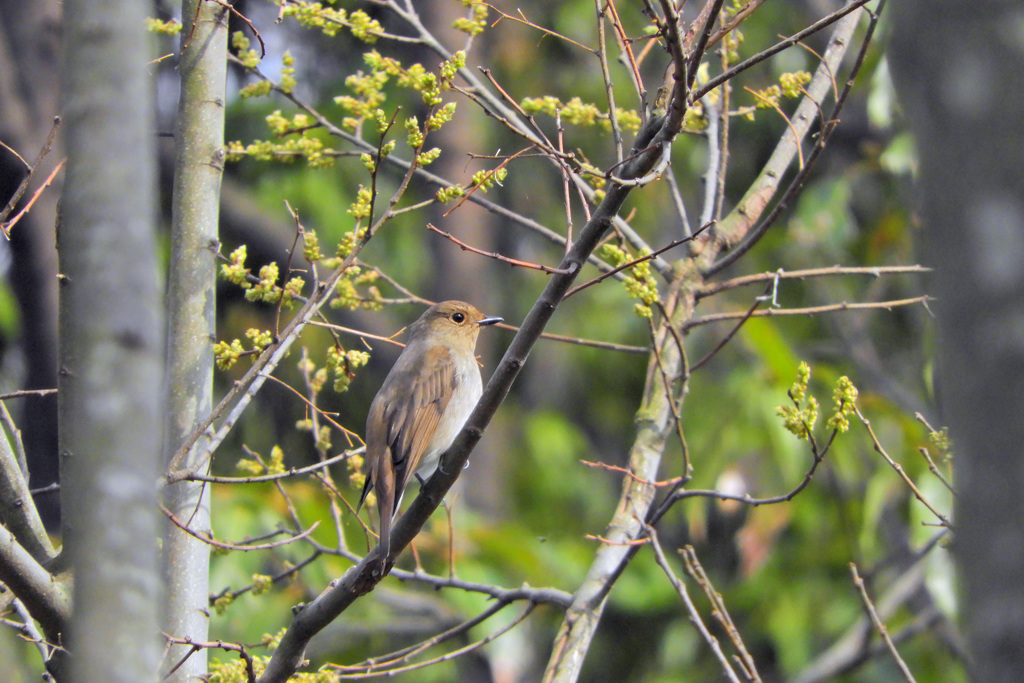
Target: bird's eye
(459,318)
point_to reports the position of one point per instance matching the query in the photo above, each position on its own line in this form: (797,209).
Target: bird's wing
(412,417)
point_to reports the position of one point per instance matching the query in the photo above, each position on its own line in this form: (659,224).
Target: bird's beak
(491,320)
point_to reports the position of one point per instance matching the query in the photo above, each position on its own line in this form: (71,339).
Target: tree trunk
(110,326)
(199,142)
(966,107)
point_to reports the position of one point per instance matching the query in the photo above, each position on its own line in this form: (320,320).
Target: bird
(422,405)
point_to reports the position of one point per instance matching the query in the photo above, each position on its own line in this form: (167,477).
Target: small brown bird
(422,406)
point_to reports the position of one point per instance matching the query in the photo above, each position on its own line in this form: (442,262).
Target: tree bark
(966,109)
(111,370)
(191,284)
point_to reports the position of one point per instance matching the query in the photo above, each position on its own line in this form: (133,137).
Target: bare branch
(493,254)
(879,625)
(691,608)
(809,310)
(900,471)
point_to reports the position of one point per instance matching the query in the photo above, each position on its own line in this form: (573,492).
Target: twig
(737,19)
(209,645)
(711,288)
(789,123)
(486,177)
(29,631)
(627,50)
(6,227)
(316,409)
(290,571)
(293,472)
(899,470)
(521,19)
(680,494)
(934,469)
(609,90)
(23,185)
(244,19)
(14,438)
(810,310)
(43,490)
(493,254)
(732,333)
(879,625)
(450,655)
(22,393)
(715,161)
(641,259)
(854,648)
(837,50)
(208,539)
(696,571)
(718,80)
(691,608)
(628,473)
(566,196)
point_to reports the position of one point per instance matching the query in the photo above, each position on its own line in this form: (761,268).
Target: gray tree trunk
(110,324)
(960,72)
(199,141)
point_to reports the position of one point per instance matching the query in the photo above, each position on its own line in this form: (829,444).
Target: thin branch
(209,540)
(290,572)
(710,288)
(316,409)
(781,158)
(17,507)
(493,254)
(732,333)
(681,494)
(775,49)
(293,472)
(451,655)
(691,608)
(47,601)
(609,90)
(934,469)
(810,310)
(15,440)
(853,647)
(714,164)
(627,51)
(6,227)
(209,645)
(646,257)
(879,624)
(719,611)
(22,393)
(677,202)
(245,20)
(521,19)
(31,633)
(900,471)
(628,473)
(23,185)
(736,20)
(789,123)
(386,664)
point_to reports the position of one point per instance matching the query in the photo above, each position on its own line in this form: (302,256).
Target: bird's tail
(384,483)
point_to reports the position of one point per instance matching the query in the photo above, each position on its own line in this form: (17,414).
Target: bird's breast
(467,390)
